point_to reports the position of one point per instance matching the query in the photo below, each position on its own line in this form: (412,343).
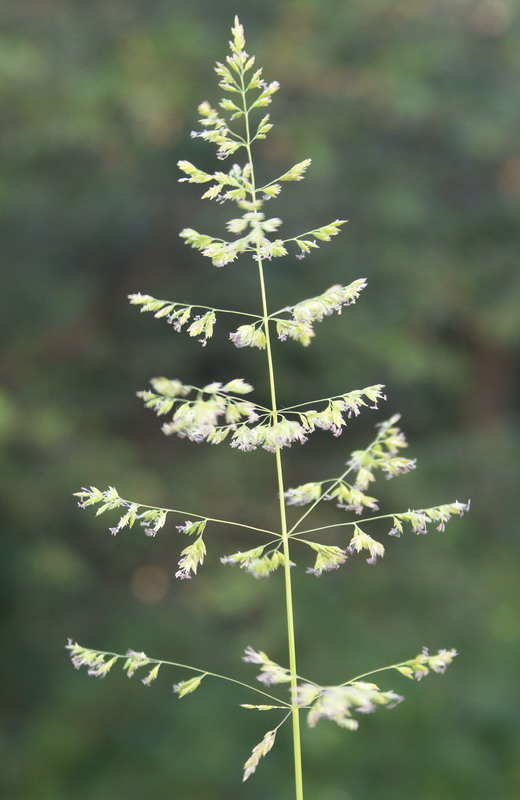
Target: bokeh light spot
(150,584)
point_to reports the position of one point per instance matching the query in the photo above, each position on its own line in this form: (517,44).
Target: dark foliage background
(410,112)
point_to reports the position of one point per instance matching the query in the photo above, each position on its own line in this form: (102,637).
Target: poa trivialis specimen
(225,412)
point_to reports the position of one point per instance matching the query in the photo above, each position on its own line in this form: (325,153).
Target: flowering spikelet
(338,703)
(329,557)
(260,750)
(270,671)
(421,665)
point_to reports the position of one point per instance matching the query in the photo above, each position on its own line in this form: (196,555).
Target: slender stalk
(295,714)
(373,672)
(287,562)
(223,311)
(312,402)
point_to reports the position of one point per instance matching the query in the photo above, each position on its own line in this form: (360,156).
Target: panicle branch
(214,414)
(380,453)
(202,319)
(152,519)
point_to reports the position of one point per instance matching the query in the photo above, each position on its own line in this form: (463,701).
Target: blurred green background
(409,110)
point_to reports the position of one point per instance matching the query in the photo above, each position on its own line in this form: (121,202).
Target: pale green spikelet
(270,671)
(338,703)
(187,687)
(328,557)
(362,541)
(191,558)
(259,751)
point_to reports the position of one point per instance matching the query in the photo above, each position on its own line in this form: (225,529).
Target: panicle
(219,411)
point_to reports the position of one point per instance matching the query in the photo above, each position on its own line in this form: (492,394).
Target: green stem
(295,716)
(287,560)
